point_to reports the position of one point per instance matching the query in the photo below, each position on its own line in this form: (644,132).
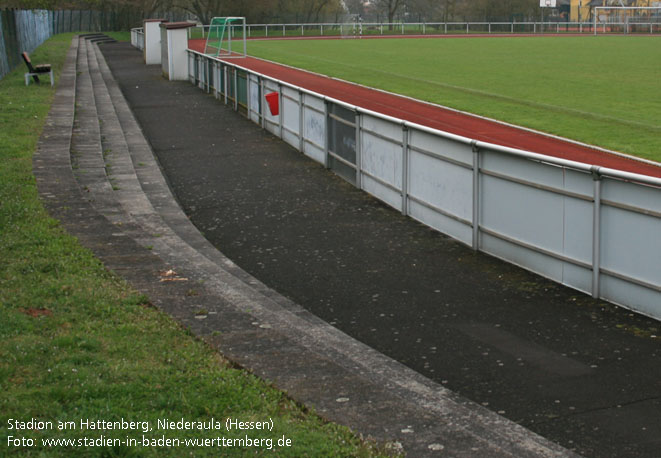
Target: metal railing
(416,28)
(591,228)
(138,38)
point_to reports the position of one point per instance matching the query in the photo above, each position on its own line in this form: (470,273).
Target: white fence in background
(427,28)
(138,38)
(591,228)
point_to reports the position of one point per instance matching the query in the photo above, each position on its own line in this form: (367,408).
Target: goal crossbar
(221,34)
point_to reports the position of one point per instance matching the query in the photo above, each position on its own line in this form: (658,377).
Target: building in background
(580,10)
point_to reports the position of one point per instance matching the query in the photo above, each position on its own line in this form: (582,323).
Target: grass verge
(599,90)
(119,36)
(78,345)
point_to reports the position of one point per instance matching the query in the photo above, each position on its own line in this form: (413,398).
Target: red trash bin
(273,100)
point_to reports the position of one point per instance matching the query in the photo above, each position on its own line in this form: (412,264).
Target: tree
(204,10)
(389,7)
(355,7)
(149,7)
(432,10)
(495,10)
(32,4)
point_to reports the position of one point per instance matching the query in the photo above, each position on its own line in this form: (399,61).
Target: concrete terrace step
(154,210)
(99,176)
(155,187)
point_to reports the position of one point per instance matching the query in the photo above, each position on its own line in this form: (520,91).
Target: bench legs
(28,75)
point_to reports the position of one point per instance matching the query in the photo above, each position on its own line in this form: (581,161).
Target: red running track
(442,119)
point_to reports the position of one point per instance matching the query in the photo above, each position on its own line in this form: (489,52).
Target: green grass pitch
(603,90)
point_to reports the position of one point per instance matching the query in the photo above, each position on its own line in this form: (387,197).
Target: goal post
(223,32)
(352,27)
(627,19)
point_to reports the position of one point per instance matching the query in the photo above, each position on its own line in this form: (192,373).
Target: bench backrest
(28,62)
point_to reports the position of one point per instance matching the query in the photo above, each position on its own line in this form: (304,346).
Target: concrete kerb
(316,364)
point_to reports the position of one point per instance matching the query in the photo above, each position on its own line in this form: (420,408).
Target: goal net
(352,27)
(224,34)
(626,20)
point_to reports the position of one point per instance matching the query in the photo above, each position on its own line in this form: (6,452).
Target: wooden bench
(34,72)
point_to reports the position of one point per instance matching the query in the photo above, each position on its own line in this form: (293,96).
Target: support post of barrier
(301,123)
(476,196)
(282,110)
(327,135)
(208,74)
(248,99)
(262,117)
(216,79)
(202,73)
(196,70)
(596,231)
(198,74)
(225,84)
(188,67)
(405,169)
(221,80)
(236,89)
(359,151)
